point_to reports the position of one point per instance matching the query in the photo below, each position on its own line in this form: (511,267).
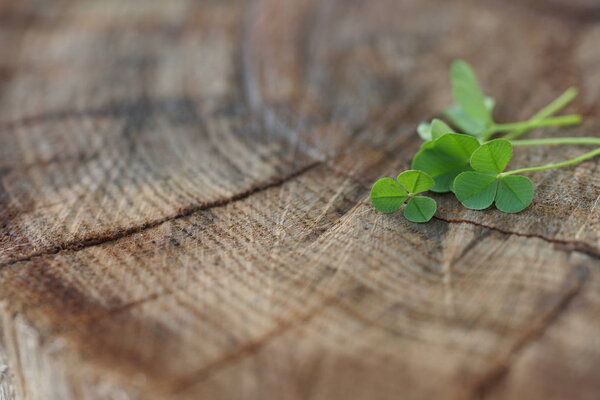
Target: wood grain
(185,215)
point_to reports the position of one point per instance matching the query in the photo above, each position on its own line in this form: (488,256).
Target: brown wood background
(184,206)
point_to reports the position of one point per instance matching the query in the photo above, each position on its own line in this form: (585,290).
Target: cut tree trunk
(184,203)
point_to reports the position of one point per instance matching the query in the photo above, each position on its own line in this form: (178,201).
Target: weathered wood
(7,389)
(185,213)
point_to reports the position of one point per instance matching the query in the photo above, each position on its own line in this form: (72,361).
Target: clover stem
(552,108)
(489,132)
(552,166)
(552,121)
(556,141)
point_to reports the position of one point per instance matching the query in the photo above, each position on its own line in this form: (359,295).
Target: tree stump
(185,213)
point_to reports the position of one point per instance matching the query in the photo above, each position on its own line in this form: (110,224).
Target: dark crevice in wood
(569,245)
(490,379)
(176,108)
(77,245)
(250,348)
(561,10)
(79,158)
(154,296)
(180,111)
(132,304)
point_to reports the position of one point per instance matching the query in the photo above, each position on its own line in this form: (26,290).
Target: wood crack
(77,245)
(570,245)
(79,158)
(251,347)
(572,287)
(175,107)
(566,12)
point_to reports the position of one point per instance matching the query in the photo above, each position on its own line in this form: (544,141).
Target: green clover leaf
(469,164)
(388,195)
(472,113)
(492,157)
(478,189)
(420,209)
(444,158)
(515,193)
(424,130)
(464,122)
(415,181)
(467,93)
(433,130)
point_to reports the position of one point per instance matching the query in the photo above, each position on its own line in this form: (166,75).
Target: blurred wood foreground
(184,206)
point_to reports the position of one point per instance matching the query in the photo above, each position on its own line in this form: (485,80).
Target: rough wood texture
(184,203)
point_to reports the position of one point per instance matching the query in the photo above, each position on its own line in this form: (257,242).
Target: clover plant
(388,195)
(470,163)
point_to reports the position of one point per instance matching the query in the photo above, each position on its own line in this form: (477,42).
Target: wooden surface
(184,203)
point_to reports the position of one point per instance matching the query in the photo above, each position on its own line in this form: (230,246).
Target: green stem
(556,141)
(552,166)
(547,111)
(531,124)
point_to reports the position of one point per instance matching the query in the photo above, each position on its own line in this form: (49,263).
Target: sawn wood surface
(184,203)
